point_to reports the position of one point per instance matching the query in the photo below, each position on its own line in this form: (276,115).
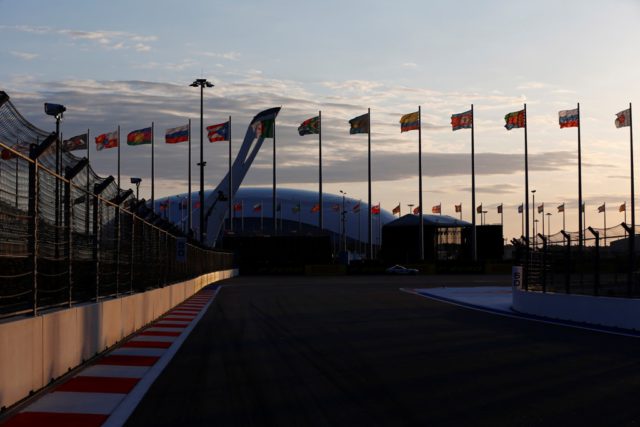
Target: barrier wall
(37,350)
(604,311)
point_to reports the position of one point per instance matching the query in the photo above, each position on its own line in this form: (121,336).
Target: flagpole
(421,223)
(460,211)
(370,235)
(273,197)
(119,186)
(502,218)
(526,180)
(605,222)
(230,183)
(86,213)
(522,225)
(189,180)
(153,179)
(633,196)
(320,224)
(473,189)
(563,218)
(580,225)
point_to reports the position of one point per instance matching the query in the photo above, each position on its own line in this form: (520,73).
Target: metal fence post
(567,267)
(96,244)
(544,262)
(131,258)
(67,228)
(630,280)
(596,272)
(33,225)
(117,219)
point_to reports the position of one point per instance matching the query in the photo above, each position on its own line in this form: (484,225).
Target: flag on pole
(561,208)
(177,134)
(458,208)
(479,209)
(78,142)
(541,208)
(601,208)
(219,132)
(257,207)
(516,119)
(436,209)
(520,209)
(315,208)
(396,210)
(623,118)
(107,140)
(263,124)
(139,137)
(416,210)
(409,122)
(356,208)
(569,118)
(309,126)
(623,207)
(237,207)
(359,124)
(375,209)
(462,120)
(500,208)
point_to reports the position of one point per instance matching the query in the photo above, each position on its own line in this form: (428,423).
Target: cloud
(231,56)
(24,55)
(410,65)
(112,40)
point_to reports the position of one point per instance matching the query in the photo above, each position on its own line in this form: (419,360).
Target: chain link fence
(69,236)
(606,264)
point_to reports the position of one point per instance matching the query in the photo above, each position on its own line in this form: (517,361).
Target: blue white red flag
(569,118)
(178,134)
(219,132)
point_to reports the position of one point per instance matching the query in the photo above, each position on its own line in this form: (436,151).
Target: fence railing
(558,263)
(70,236)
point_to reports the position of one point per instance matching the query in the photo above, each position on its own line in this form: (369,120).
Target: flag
(178,134)
(139,137)
(263,124)
(569,118)
(296,208)
(520,209)
(416,210)
(623,207)
(375,210)
(315,208)
(500,209)
(462,120)
(479,209)
(601,208)
(107,140)
(541,208)
(309,126)
(458,208)
(219,132)
(335,207)
(356,208)
(359,124)
(409,122)
(561,208)
(257,207)
(517,119)
(396,210)
(623,118)
(78,142)
(237,207)
(436,209)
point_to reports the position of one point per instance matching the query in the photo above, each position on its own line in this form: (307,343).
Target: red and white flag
(623,118)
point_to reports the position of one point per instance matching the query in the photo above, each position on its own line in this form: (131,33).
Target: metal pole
(273,196)
(474,243)
(563,218)
(605,223)
(526,178)
(421,223)
(533,215)
(370,235)
(189,189)
(88,189)
(632,235)
(542,213)
(230,182)
(320,218)
(119,186)
(57,191)
(580,223)
(153,193)
(201,208)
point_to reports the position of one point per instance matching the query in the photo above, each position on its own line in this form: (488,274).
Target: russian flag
(569,118)
(175,135)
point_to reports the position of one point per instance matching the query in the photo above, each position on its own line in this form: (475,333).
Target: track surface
(287,351)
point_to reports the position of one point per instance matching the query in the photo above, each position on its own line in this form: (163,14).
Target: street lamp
(484,217)
(344,228)
(137,181)
(548,224)
(201,83)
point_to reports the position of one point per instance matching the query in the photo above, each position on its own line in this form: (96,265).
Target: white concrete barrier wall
(603,311)
(37,350)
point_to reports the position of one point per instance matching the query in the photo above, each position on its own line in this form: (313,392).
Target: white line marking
(114,371)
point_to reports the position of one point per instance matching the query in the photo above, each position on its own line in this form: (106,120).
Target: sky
(130,63)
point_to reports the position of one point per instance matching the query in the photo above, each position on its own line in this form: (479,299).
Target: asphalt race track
(326,351)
